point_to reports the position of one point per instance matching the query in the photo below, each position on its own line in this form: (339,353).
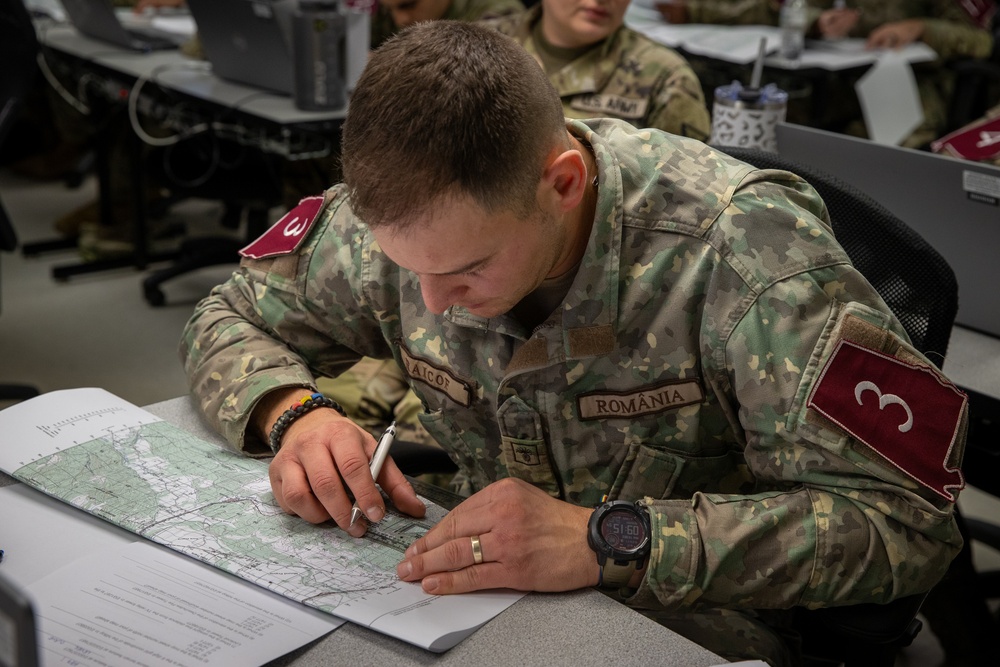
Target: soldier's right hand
(322,456)
(837,23)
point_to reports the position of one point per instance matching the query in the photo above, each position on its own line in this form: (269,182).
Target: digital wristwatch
(618,533)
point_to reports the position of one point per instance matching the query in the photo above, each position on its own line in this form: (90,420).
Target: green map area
(175,489)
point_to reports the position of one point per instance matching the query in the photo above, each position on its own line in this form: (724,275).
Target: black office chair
(243,178)
(920,288)
(18,47)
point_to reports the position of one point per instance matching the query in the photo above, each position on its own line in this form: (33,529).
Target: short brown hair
(447,108)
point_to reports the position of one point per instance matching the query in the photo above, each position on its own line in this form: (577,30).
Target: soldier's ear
(564,180)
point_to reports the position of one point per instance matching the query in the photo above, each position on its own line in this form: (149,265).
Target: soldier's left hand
(528,541)
(895,35)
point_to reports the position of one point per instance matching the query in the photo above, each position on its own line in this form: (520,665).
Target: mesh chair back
(915,281)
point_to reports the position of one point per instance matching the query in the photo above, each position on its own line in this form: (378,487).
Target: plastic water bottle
(318,33)
(793,17)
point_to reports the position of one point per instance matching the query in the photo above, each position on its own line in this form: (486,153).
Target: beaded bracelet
(304,405)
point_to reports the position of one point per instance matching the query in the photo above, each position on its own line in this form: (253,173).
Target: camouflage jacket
(383,27)
(628,77)
(681,369)
(735,12)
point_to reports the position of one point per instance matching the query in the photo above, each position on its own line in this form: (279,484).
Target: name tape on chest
(629,108)
(639,402)
(906,413)
(435,377)
(285,236)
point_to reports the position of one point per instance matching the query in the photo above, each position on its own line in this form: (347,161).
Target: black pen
(378,458)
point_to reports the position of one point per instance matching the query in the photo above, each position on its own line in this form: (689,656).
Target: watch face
(623,531)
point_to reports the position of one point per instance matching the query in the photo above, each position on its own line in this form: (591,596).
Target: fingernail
(431,584)
(374,514)
(405,570)
(410,552)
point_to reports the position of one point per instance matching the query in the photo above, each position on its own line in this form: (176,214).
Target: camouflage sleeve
(837,524)
(953,34)
(678,106)
(278,322)
(733,12)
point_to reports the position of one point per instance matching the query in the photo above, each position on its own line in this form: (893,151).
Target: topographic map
(156,480)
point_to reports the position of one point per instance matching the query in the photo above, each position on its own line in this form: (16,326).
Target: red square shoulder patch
(906,413)
(286,234)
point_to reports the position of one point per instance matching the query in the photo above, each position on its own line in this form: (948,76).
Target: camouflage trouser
(735,635)
(373,393)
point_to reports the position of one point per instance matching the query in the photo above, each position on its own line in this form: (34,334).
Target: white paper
(889,99)
(139,604)
(99,453)
(182,25)
(739,44)
(735,44)
(69,533)
(852,52)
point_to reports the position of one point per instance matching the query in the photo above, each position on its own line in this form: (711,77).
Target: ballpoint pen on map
(378,458)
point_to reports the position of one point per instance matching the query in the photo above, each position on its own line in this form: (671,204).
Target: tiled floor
(98,330)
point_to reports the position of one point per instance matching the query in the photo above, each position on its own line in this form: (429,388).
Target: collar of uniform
(587,74)
(597,280)
(586,330)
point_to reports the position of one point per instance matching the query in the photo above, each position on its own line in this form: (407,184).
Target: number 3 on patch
(884,400)
(913,425)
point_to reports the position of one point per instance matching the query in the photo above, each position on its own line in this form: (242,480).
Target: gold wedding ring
(477,550)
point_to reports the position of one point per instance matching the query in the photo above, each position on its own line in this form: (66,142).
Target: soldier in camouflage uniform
(944,25)
(393,15)
(602,69)
(373,392)
(625,76)
(590,310)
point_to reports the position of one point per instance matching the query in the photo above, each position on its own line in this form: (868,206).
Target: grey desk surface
(579,628)
(174,70)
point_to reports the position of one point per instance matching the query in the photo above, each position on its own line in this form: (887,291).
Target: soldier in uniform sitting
(593,315)
(602,69)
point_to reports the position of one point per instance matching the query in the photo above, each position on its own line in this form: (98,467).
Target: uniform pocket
(523,450)
(662,474)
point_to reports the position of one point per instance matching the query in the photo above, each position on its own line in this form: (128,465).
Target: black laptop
(247,41)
